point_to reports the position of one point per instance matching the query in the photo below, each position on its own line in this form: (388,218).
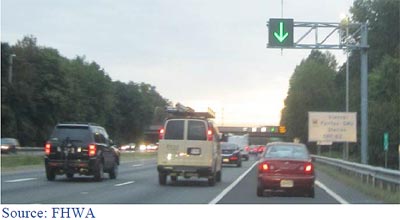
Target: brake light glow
(161,134)
(92,150)
(233,158)
(209,135)
(47,148)
(308,168)
(264,167)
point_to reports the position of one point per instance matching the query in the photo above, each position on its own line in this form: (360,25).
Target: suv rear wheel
(99,171)
(114,171)
(50,174)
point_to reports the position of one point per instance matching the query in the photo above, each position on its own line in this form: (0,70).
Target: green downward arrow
(281,36)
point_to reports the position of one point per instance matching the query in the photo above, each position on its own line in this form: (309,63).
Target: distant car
(128,147)
(231,154)
(245,153)
(253,149)
(80,148)
(260,149)
(9,145)
(286,167)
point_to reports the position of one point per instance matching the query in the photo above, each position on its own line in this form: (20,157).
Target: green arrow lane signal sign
(281,37)
(280,32)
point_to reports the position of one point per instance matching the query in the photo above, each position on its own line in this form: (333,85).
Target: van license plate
(286,183)
(194,151)
(225,160)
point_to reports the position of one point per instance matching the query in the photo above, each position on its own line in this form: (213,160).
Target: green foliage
(311,88)
(48,88)
(306,92)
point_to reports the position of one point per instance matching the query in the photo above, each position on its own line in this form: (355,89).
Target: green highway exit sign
(280,32)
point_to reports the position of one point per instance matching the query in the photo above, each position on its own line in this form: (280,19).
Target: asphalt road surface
(137,183)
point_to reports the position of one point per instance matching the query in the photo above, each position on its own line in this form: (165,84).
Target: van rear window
(197,131)
(174,130)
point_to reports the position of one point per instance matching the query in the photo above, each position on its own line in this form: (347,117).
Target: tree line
(317,84)
(47,88)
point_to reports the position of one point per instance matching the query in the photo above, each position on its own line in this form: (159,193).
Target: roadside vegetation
(14,162)
(318,83)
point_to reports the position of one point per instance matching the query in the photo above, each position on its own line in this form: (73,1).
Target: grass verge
(16,162)
(377,193)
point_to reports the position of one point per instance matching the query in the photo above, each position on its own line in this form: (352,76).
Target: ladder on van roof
(182,111)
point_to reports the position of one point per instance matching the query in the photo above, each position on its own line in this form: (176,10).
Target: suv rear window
(174,130)
(197,131)
(74,133)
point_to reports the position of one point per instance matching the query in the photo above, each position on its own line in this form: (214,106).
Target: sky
(201,53)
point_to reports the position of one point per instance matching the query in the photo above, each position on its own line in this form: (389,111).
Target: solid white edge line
(20,180)
(331,193)
(230,187)
(123,184)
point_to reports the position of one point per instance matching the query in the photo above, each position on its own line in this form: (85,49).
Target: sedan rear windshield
(228,146)
(287,151)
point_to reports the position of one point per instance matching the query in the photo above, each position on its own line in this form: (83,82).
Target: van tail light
(47,148)
(308,168)
(210,136)
(161,134)
(92,150)
(247,149)
(264,167)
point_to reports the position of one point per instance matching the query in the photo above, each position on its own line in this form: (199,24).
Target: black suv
(82,148)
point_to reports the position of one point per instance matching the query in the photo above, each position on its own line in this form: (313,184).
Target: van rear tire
(211,180)
(162,179)
(219,176)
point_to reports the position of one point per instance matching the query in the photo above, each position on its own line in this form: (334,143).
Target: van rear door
(185,143)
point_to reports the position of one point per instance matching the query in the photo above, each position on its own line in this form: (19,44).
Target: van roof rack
(182,111)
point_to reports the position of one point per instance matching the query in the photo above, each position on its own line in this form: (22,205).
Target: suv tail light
(161,134)
(47,148)
(210,135)
(264,167)
(308,168)
(92,150)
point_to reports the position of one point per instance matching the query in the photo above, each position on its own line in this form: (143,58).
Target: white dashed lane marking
(20,180)
(126,183)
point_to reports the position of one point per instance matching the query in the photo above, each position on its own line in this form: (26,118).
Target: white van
(189,147)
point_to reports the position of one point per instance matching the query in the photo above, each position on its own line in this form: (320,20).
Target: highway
(137,183)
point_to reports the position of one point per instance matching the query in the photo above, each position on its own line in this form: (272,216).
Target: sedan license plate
(286,183)
(225,160)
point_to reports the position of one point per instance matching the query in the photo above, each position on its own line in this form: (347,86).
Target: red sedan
(286,167)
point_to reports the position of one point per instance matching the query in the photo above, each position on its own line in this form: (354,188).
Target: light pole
(10,68)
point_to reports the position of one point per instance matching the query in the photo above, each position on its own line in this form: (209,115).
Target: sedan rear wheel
(311,193)
(260,191)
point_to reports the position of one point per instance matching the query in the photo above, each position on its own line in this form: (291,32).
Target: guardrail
(385,179)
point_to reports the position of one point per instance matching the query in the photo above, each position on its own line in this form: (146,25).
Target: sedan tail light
(92,150)
(308,168)
(47,148)
(264,167)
